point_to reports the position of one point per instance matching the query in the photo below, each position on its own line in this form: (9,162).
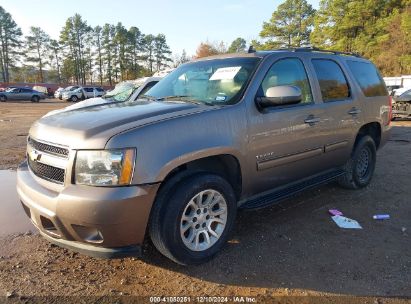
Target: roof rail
(314,49)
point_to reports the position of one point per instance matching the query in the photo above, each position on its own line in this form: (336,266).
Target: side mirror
(280,95)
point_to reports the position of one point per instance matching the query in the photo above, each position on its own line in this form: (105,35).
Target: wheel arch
(225,165)
(372,129)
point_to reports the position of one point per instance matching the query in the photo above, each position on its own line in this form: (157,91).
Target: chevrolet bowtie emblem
(34,155)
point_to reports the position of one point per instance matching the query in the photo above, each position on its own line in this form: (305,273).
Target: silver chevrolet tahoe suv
(215,135)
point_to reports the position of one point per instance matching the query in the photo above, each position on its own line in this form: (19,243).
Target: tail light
(390,110)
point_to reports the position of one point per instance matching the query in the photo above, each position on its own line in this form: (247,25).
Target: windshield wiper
(148,97)
(190,100)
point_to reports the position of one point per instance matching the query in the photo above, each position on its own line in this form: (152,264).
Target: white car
(82,93)
(129,90)
(402,94)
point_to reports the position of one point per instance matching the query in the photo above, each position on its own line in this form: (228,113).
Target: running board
(279,194)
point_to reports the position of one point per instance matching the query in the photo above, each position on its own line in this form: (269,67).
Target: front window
(212,82)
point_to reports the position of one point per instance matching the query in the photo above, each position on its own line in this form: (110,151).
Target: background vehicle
(45,90)
(81,93)
(21,94)
(401,103)
(58,93)
(391,89)
(68,89)
(216,134)
(129,90)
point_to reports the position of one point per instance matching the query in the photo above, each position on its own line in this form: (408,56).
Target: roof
(261,54)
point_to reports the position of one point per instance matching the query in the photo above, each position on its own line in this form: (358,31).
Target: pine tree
(37,44)
(10,35)
(290,25)
(238,46)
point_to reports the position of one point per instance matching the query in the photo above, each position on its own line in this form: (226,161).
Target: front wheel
(35,99)
(191,219)
(359,169)
(3,98)
(74,98)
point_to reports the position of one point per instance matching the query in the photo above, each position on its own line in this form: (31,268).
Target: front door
(286,142)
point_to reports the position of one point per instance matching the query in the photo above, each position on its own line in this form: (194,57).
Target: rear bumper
(385,135)
(98,221)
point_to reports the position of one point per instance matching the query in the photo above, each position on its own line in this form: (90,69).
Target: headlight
(104,167)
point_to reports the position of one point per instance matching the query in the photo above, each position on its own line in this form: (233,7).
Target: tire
(35,98)
(74,98)
(359,169)
(166,223)
(3,98)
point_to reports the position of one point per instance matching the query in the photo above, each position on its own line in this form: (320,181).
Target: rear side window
(368,78)
(333,84)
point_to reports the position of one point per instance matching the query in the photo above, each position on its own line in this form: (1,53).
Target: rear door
(342,109)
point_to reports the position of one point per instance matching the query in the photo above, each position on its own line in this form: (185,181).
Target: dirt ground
(292,252)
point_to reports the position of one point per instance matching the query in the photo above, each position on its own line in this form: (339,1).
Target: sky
(185,23)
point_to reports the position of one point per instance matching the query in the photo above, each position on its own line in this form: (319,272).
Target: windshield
(122,91)
(213,82)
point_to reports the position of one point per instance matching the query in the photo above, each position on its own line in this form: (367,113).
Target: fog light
(88,234)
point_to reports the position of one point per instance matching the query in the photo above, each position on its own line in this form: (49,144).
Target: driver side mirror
(279,96)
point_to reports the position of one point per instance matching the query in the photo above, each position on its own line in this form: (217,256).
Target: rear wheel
(35,98)
(359,169)
(191,219)
(3,98)
(74,98)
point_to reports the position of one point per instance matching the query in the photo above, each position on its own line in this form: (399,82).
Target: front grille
(47,172)
(39,146)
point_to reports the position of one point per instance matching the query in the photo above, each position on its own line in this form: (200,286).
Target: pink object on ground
(335,212)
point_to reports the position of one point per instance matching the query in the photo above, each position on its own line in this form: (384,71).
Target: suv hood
(81,104)
(91,127)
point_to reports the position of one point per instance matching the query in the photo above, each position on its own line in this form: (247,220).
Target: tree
(375,29)
(239,45)
(161,52)
(205,49)
(394,51)
(74,35)
(121,41)
(290,25)
(136,46)
(149,45)
(37,44)
(56,57)
(10,35)
(108,33)
(97,37)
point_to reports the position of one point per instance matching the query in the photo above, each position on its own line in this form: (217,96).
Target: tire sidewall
(74,98)
(186,190)
(365,142)
(3,98)
(35,99)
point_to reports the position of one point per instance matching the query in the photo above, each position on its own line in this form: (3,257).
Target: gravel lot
(289,250)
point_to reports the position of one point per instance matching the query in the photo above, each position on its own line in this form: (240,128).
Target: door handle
(311,120)
(354,111)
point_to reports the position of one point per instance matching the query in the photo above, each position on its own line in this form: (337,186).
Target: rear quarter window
(333,84)
(368,78)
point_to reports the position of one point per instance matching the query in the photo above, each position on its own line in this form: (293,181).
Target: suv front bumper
(98,221)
